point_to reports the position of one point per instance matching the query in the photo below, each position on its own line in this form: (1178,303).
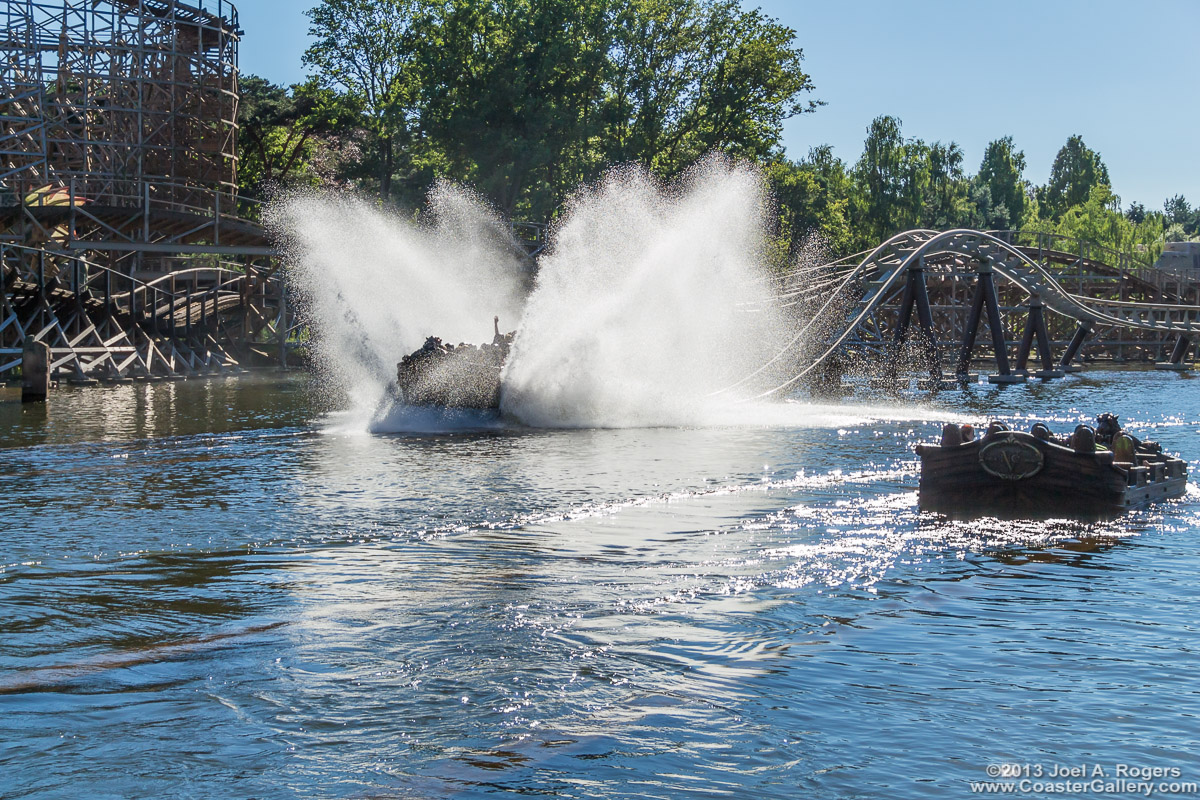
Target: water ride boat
(462,376)
(1094,472)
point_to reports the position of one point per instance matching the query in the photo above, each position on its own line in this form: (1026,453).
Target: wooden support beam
(905,317)
(987,286)
(35,372)
(1178,354)
(283,326)
(1180,349)
(1022,364)
(925,318)
(1037,320)
(963,366)
(1081,332)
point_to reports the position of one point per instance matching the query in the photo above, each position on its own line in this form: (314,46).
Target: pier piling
(35,372)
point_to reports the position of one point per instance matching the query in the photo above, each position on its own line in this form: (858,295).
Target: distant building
(1182,258)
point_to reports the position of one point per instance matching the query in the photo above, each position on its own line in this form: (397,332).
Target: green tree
(915,184)
(901,184)
(1178,210)
(1001,172)
(510,95)
(879,176)
(286,135)
(365,48)
(813,198)
(948,204)
(690,76)
(1184,221)
(527,98)
(1076,170)
(1099,220)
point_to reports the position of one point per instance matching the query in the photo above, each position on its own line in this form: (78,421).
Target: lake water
(222,589)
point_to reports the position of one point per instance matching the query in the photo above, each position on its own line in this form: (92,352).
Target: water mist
(374,284)
(650,299)
(640,313)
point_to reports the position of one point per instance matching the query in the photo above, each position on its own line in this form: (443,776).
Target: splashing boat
(1094,472)
(462,376)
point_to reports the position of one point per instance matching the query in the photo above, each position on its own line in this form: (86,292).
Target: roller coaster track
(841,299)
(101,323)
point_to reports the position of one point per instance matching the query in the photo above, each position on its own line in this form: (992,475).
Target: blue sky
(1123,75)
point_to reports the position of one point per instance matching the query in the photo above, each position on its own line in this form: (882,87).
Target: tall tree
(690,76)
(1001,171)
(1181,220)
(1076,170)
(528,97)
(283,133)
(365,48)
(1099,219)
(813,196)
(880,174)
(915,183)
(510,91)
(948,203)
(1178,209)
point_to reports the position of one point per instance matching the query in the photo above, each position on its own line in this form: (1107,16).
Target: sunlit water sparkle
(222,589)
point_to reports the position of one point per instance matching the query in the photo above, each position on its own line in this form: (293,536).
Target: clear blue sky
(1123,75)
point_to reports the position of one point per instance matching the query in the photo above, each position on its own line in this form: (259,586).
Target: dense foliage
(899,183)
(526,99)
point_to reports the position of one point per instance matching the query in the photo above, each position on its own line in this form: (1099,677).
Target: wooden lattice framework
(123,243)
(122,97)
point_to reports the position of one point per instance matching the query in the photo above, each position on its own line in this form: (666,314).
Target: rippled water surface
(219,589)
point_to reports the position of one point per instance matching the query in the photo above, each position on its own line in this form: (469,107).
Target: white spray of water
(375,284)
(640,310)
(641,313)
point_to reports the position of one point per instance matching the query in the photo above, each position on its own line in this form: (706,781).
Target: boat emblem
(1010,459)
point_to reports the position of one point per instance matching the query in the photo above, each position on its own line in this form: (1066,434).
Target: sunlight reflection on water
(226,579)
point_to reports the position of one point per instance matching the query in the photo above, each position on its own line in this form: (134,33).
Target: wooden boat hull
(1015,474)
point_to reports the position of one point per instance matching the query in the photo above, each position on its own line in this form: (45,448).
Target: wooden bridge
(124,245)
(919,299)
(104,324)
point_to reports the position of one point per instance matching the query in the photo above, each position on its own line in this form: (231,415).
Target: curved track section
(101,323)
(854,292)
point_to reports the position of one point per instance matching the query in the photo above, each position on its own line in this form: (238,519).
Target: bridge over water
(920,299)
(104,323)
(123,243)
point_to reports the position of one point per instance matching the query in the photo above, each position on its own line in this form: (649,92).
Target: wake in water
(649,301)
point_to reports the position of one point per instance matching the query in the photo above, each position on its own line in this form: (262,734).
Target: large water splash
(651,299)
(375,284)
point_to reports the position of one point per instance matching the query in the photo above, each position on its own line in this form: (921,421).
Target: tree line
(527,99)
(523,99)
(898,184)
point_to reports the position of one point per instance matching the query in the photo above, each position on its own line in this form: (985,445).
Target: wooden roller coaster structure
(920,298)
(102,324)
(124,245)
